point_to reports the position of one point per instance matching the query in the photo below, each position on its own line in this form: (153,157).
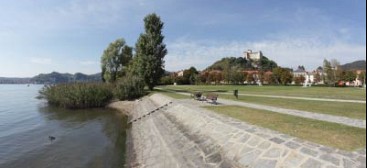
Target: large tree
(150,52)
(329,71)
(282,75)
(115,60)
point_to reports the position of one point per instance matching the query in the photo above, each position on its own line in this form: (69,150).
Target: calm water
(84,138)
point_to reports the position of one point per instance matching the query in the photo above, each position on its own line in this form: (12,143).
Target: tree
(349,76)
(330,75)
(150,51)
(286,77)
(334,63)
(269,78)
(204,76)
(299,80)
(238,77)
(282,75)
(115,60)
(191,75)
(267,64)
(277,72)
(250,78)
(318,77)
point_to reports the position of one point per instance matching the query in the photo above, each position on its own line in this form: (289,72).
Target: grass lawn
(351,110)
(325,133)
(170,94)
(314,92)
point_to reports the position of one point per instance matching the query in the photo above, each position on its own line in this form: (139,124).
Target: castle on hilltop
(253,57)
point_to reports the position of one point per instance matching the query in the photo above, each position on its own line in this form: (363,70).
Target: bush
(77,95)
(130,87)
(166,80)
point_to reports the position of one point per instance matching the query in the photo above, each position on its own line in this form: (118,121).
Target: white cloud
(42,61)
(288,52)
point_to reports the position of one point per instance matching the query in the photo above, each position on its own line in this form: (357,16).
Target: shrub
(130,87)
(77,95)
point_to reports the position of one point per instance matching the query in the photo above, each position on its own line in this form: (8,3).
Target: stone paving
(181,134)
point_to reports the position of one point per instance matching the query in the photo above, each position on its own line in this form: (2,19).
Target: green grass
(170,94)
(351,110)
(325,133)
(314,92)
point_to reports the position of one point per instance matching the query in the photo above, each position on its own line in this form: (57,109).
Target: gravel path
(303,98)
(316,116)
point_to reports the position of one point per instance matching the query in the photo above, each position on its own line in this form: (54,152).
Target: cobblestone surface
(181,134)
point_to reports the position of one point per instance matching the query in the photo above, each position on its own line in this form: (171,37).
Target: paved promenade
(181,134)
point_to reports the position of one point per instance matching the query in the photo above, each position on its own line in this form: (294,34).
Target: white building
(309,76)
(253,57)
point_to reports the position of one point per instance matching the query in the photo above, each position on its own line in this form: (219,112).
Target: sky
(41,36)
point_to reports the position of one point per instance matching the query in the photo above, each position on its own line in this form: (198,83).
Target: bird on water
(51,138)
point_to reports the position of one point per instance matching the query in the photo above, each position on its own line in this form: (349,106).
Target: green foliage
(77,95)
(190,76)
(330,73)
(181,80)
(348,75)
(267,65)
(129,87)
(150,51)
(115,60)
(166,80)
(224,63)
(282,75)
(241,63)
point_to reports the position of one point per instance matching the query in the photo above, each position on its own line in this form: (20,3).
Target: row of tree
(145,61)
(191,76)
(333,73)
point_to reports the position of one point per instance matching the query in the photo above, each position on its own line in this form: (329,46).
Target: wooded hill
(54,77)
(241,64)
(356,65)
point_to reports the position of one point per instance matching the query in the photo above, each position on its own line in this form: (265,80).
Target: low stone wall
(181,134)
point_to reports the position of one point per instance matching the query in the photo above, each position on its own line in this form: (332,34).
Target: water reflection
(84,138)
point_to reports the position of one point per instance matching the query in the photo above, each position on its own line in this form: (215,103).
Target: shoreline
(183,134)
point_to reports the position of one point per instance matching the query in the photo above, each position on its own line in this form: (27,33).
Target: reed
(78,95)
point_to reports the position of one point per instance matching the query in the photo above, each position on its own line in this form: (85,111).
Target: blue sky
(40,36)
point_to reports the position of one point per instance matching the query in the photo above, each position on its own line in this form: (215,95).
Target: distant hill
(56,77)
(357,65)
(5,80)
(53,77)
(241,63)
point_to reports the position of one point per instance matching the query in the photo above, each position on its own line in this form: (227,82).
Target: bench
(211,96)
(197,95)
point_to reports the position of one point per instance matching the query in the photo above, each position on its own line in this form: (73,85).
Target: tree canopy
(115,60)
(150,52)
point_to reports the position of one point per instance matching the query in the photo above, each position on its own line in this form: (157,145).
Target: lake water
(84,138)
